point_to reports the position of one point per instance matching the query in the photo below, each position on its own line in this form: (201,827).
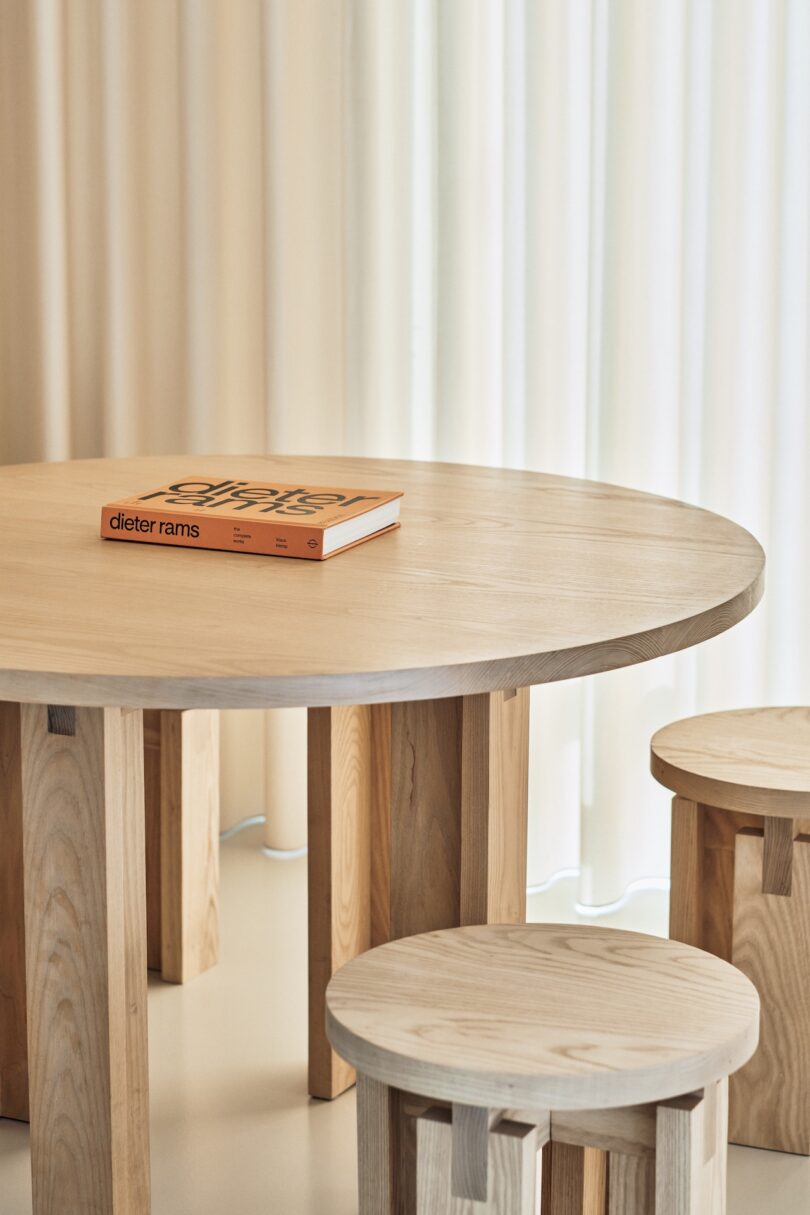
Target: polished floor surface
(232,1130)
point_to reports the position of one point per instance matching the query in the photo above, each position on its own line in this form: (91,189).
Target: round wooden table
(414,654)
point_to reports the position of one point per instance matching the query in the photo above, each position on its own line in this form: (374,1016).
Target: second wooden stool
(741,889)
(515,1037)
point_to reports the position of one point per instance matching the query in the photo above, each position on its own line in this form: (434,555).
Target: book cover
(313,522)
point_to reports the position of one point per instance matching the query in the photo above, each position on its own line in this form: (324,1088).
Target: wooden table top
(542,1016)
(496,579)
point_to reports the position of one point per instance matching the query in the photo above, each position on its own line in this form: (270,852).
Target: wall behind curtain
(568,235)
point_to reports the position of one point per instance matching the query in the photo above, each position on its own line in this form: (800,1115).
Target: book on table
(263,517)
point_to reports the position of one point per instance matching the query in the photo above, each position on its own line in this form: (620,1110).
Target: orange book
(253,517)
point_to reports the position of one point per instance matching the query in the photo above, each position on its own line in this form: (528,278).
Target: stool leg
(376,1158)
(511,1167)
(686,864)
(680,1156)
(13,1046)
(181,753)
(716,1148)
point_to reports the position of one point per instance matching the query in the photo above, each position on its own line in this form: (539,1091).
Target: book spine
(150,526)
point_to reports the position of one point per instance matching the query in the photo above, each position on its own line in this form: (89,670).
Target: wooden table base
(13,1048)
(85,929)
(181,766)
(417,821)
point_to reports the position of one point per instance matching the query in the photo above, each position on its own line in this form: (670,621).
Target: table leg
(458,812)
(181,764)
(347,751)
(574,1180)
(85,926)
(417,821)
(13,1046)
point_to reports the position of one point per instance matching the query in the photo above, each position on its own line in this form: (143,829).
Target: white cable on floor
(275,854)
(253,821)
(559,876)
(583,909)
(593,910)
(640,884)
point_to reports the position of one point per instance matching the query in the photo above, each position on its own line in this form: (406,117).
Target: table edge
(381,687)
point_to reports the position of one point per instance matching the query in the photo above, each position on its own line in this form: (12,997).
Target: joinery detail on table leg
(13,1048)
(342,777)
(424,804)
(459,811)
(181,754)
(494,807)
(85,921)
(417,821)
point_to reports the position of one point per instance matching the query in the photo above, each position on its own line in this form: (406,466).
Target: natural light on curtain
(570,236)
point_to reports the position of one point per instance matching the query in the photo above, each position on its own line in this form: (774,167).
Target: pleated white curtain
(569,235)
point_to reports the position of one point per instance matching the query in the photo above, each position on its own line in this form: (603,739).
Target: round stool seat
(542,1016)
(750,760)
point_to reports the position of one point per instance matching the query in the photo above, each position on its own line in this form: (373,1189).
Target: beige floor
(232,1130)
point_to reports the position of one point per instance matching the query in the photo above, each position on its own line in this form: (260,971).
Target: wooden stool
(741,889)
(586,1039)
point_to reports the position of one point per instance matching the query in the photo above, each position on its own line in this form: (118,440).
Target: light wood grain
(470,1152)
(425,798)
(459,812)
(386,1133)
(715,1121)
(189,843)
(630,1136)
(494,807)
(376,1160)
(340,768)
(720,830)
(542,1016)
(702,867)
(85,920)
(754,761)
(152,818)
(379,760)
(631,1184)
(573,1180)
(426,804)
(769,1107)
(777,855)
(686,867)
(629,1130)
(511,1150)
(13,1047)
(679,1156)
(497,579)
